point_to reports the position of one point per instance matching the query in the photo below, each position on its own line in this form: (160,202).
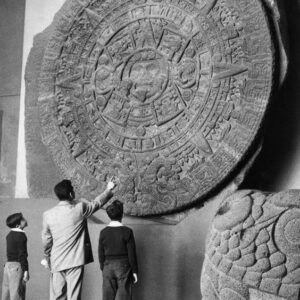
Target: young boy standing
(16,268)
(117,256)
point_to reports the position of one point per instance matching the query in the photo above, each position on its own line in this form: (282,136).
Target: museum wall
(11,36)
(170,256)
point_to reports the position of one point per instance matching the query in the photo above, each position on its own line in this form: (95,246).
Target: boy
(16,268)
(117,256)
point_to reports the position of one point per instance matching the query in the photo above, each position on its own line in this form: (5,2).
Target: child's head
(115,211)
(64,190)
(16,221)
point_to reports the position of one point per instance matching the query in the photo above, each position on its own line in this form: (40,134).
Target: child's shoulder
(126,228)
(16,234)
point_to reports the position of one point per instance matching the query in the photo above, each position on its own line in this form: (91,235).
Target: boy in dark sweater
(117,256)
(16,268)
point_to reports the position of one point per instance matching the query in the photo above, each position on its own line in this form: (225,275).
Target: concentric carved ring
(167,95)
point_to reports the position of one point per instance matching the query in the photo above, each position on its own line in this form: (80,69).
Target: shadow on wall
(275,168)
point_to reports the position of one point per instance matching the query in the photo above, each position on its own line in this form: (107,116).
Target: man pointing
(66,241)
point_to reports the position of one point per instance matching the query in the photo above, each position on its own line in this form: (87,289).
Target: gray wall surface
(11,43)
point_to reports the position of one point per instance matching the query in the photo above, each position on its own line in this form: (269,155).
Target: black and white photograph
(150,149)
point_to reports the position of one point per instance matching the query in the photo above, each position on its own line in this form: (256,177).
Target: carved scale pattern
(167,95)
(254,243)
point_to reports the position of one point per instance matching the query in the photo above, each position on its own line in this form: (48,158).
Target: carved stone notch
(166,95)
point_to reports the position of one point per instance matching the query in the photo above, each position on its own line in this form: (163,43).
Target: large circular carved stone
(167,95)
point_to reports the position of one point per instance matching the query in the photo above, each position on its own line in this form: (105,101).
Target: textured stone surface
(167,95)
(256,236)
(42,174)
(258,295)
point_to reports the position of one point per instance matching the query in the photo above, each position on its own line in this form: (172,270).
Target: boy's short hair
(115,210)
(14,220)
(63,189)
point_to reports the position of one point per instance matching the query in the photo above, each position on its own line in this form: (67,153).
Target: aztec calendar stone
(166,95)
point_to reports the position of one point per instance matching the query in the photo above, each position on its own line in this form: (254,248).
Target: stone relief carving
(166,95)
(254,245)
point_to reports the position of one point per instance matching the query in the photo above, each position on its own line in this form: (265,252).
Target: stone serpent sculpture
(254,247)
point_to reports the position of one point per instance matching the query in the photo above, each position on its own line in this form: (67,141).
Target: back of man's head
(115,211)
(64,190)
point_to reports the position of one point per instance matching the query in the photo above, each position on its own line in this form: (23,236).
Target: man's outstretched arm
(88,208)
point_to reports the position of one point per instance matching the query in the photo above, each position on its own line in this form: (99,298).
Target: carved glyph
(167,95)
(253,248)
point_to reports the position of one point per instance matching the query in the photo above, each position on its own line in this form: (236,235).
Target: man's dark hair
(115,211)
(63,189)
(14,220)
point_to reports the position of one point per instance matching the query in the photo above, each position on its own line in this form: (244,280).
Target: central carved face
(143,76)
(148,76)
